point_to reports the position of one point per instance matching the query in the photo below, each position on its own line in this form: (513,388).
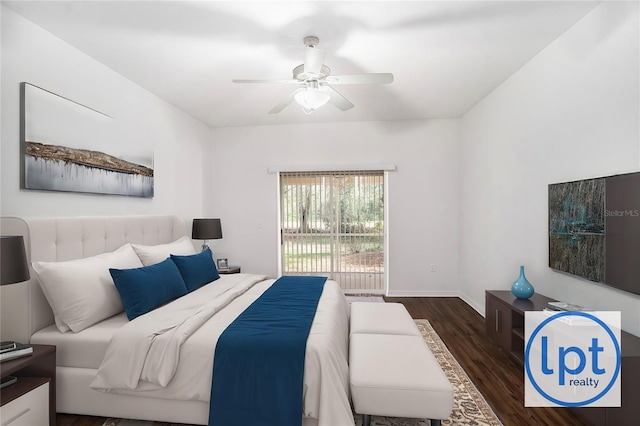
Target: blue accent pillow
(144,289)
(196,269)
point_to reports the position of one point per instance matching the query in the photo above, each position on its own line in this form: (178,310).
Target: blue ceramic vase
(521,288)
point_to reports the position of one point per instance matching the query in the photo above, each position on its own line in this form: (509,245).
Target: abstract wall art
(67,146)
(576,228)
(594,230)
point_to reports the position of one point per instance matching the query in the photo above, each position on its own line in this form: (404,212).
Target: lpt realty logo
(572,359)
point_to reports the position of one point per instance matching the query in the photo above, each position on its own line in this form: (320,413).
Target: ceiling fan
(314,81)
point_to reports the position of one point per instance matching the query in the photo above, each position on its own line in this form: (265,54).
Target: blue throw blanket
(258,366)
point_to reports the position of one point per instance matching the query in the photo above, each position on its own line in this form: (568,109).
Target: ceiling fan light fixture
(311,98)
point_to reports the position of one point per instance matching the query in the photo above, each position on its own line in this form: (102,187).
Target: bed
(86,386)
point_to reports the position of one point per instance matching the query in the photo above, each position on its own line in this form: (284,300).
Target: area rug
(469,407)
(376,299)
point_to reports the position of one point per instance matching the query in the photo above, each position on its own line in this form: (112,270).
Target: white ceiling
(445,55)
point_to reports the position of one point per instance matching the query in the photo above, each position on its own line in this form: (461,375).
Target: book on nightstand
(563,306)
(11,350)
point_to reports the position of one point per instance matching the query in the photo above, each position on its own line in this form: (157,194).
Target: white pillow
(81,292)
(150,255)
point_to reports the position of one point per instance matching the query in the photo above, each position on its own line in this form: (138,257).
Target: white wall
(33,55)
(469,195)
(423,192)
(571,113)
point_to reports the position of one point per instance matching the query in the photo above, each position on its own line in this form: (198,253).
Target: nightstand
(230,270)
(32,399)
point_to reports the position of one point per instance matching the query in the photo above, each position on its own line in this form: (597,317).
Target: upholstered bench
(392,370)
(381,318)
(397,376)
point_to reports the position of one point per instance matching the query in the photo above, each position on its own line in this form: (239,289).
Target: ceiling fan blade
(284,103)
(338,100)
(313,59)
(373,78)
(266,81)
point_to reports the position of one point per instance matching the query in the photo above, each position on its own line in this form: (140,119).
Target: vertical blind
(332,224)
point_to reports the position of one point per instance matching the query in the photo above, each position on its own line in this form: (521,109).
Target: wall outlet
(433,267)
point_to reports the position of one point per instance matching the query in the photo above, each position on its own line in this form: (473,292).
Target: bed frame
(25,309)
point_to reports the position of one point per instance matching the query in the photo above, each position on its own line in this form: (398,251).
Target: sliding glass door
(332,224)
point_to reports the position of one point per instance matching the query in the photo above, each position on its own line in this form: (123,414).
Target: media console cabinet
(504,322)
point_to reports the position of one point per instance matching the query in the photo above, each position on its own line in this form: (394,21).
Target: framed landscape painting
(70,147)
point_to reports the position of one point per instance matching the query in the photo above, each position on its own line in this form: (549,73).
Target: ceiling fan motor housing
(298,73)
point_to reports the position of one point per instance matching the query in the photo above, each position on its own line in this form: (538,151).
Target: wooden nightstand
(230,270)
(36,384)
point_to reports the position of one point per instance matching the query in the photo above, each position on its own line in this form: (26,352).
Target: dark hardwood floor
(497,376)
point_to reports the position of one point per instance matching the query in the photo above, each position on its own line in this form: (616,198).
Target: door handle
(16,417)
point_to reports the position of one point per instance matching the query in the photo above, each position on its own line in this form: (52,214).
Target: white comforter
(168,352)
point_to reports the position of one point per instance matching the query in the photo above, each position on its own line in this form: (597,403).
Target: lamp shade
(13,260)
(206,229)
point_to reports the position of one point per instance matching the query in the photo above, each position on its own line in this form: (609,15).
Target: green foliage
(311,207)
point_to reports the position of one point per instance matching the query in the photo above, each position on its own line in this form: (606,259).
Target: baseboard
(468,301)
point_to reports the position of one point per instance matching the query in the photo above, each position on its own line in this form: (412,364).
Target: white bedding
(168,353)
(84,349)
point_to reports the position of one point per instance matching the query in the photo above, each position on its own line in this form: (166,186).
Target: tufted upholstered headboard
(24,308)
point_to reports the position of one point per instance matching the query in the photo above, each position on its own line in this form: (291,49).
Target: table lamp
(13,260)
(206,229)
(13,269)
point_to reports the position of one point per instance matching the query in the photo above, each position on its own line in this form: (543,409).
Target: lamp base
(205,246)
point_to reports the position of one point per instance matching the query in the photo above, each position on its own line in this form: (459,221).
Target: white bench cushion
(382,318)
(397,376)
